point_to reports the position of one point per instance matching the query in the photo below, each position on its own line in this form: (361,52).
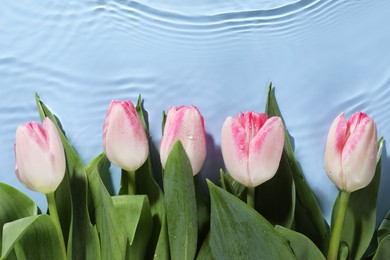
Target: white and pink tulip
(124,138)
(252,146)
(186,124)
(39,156)
(351,151)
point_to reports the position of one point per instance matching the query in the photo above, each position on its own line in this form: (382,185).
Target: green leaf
(162,248)
(303,247)
(203,210)
(383,251)
(232,186)
(239,232)
(14,205)
(180,204)
(205,250)
(164,119)
(158,247)
(103,166)
(384,228)
(343,251)
(142,113)
(123,186)
(308,217)
(83,241)
(360,215)
(113,241)
(11,256)
(33,237)
(146,184)
(275,199)
(133,216)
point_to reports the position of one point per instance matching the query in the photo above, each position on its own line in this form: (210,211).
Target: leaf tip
(212,187)
(270,86)
(139,100)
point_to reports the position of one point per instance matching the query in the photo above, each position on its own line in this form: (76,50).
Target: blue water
(324,57)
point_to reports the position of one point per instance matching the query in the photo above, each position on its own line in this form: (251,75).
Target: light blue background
(324,57)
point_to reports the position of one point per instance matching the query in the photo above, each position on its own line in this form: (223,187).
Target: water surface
(324,57)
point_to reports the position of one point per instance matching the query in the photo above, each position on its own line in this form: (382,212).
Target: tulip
(252,146)
(185,123)
(39,156)
(124,139)
(350,161)
(351,149)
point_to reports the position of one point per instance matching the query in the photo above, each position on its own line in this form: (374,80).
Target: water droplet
(241,147)
(265,232)
(190,137)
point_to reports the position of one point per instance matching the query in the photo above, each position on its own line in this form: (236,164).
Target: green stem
(338,226)
(131,190)
(250,197)
(54,216)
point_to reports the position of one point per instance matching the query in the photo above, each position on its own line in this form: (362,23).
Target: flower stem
(338,226)
(54,216)
(131,190)
(250,197)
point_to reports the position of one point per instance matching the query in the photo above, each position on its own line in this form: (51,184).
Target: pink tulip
(186,125)
(124,138)
(252,145)
(39,156)
(351,148)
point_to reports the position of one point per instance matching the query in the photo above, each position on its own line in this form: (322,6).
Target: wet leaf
(308,216)
(239,232)
(181,205)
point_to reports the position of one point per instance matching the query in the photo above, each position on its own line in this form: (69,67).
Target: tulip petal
(36,165)
(124,138)
(172,127)
(186,125)
(252,122)
(337,137)
(359,153)
(252,146)
(235,150)
(28,152)
(194,138)
(20,177)
(241,136)
(354,121)
(265,151)
(57,154)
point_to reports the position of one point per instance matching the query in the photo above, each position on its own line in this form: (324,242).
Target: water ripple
(323,56)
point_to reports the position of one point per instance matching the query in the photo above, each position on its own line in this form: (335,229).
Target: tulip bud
(351,149)
(124,139)
(252,145)
(39,156)
(186,125)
